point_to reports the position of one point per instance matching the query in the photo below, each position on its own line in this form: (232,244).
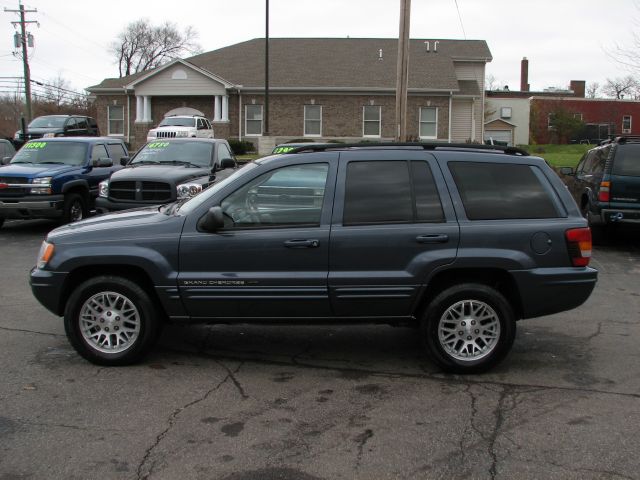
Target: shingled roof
(332,64)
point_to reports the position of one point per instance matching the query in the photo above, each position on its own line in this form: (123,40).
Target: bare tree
(593,89)
(619,87)
(142,46)
(490,82)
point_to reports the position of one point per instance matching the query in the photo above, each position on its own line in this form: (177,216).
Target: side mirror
(567,171)
(124,160)
(213,220)
(103,162)
(228,163)
(6,160)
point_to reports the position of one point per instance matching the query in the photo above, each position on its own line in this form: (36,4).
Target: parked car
(606,184)
(7,150)
(164,171)
(459,240)
(58,177)
(181,126)
(51,126)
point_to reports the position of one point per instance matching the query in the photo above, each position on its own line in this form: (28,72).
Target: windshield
(67,153)
(190,152)
(48,122)
(627,161)
(177,122)
(198,200)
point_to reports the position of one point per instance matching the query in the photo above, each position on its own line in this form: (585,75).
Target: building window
(312,120)
(577,116)
(551,121)
(371,115)
(253,120)
(428,122)
(626,124)
(505,112)
(116,119)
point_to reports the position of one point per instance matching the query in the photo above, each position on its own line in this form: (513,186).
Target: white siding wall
(180,80)
(520,108)
(470,71)
(461,121)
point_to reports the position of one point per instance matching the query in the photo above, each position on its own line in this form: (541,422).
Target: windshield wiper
(181,162)
(19,161)
(52,162)
(145,162)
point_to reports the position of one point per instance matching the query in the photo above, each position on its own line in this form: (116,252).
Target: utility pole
(266,75)
(25,58)
(402,79)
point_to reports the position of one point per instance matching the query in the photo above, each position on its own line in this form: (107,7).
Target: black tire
(105,305)
(75,208)
(450,327)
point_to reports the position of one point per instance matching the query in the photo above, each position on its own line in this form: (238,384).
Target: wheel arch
(133,273)
(495,278)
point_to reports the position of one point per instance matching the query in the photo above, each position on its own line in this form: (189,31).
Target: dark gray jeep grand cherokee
(459,240)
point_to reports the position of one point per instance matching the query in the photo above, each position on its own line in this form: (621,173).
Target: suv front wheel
(468,328)
(111,321)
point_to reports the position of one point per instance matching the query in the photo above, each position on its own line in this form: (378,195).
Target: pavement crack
(231,376)
(35,332)
(361,441)
(143,471)
(439,377)
(594,335)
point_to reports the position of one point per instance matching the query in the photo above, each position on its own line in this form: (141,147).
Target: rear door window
(627,160)
(497,191)
(116,151)
(384,192)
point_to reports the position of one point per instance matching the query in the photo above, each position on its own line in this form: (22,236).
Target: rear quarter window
(627,161)
(499,191)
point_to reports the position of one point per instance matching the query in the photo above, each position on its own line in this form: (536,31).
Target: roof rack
(415,145)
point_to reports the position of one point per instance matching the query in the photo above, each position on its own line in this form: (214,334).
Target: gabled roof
(330,63)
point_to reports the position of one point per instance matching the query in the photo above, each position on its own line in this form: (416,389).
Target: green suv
(606,184)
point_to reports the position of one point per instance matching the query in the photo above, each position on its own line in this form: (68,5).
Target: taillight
(579,246)
(604,194)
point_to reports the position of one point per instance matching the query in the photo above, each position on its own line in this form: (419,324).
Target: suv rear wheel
(111,321)
(468,328)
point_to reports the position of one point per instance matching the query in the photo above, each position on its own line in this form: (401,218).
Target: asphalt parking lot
(306,403)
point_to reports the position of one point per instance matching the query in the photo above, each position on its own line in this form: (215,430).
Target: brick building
(319,88)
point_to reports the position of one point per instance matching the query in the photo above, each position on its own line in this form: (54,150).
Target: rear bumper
(545,291)
(620,215)
(49,206)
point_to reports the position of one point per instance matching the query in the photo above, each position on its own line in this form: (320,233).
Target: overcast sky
(564,40)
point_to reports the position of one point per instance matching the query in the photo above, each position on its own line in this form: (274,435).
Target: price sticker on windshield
(35,145)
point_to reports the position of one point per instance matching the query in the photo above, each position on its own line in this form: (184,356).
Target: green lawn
(558,155)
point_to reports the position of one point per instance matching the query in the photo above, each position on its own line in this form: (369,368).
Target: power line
(464,34)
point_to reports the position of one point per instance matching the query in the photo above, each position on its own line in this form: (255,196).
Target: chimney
(578,87)
(524,75)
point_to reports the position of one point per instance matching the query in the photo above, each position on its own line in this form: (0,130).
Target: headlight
(45,254)
(46,186)
(103,188)
(152,133)
(182,133)
(49,135)
(187,190)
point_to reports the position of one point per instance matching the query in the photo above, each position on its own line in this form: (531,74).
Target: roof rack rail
(416,145)
(627,139)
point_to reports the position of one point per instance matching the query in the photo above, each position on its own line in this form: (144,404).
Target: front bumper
(545,291)
(104,205)
(45,206)
(47,287)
